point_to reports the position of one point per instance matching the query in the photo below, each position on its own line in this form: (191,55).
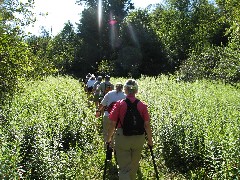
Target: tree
(62,48)
(215,46)
(14,53)
(17,62)
(99,30)
(89,52)
(229,65)
(171,24)
(15,14)
(140,46)
(206,25)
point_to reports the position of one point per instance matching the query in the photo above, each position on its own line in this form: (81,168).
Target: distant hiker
(107,103)
(90,84)
(105,87)
(86,80)
(96,92)
(131,118)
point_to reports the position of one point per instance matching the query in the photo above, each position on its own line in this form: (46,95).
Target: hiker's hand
(98,114)
(108,145)
(150,143)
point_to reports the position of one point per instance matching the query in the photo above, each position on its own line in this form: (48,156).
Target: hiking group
(126,123)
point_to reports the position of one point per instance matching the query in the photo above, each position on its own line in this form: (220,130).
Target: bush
(215,63)
(106,67)
(18,64)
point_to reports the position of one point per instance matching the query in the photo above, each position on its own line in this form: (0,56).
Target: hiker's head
(92,77)
(88,75)
(99,78)
(119,86)
(107,78)
(131,86)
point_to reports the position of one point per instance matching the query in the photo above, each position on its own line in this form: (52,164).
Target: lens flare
(133,35)
(99,13)
(113,31)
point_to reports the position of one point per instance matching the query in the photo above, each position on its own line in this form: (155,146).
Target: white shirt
(112,96)
(90,82)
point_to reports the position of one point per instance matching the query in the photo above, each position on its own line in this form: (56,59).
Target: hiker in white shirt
(107,103)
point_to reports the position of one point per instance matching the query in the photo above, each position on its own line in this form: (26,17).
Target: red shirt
(120,108)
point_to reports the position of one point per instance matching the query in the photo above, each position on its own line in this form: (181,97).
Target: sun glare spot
(133,35)
(99,13)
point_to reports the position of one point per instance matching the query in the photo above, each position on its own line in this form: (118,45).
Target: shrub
(215,63)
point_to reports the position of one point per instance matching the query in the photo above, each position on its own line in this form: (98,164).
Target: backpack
(133,123)
(95,86)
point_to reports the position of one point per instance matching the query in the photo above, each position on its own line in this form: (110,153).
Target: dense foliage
(18,61)
(196,126)
(195,39)
(50,132)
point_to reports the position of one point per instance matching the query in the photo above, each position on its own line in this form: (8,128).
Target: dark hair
(119,86)
(107,78)
(99,78)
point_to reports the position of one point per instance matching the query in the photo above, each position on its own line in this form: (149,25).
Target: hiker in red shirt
(128,146)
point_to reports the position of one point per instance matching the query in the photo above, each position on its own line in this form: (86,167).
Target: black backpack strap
(136,102)
(128,102)
(106,85)
(103,91)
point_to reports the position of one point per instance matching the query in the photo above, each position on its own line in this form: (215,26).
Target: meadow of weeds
(49,131)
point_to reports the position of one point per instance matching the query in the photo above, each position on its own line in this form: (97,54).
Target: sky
(60,11)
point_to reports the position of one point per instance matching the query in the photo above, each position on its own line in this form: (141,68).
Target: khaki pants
(128,150)
(106,124)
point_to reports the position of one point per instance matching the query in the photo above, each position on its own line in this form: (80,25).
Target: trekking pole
(109,151)
(105,169)
(154,163)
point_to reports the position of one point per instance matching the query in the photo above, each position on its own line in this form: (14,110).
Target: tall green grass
(196,125)
(49,131)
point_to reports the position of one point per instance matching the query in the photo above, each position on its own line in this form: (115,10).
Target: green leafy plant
(50,132)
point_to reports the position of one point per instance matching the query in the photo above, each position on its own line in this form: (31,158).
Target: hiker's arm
(97,91)
(100,108)
(148,130)
(103,103)
(111,131)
